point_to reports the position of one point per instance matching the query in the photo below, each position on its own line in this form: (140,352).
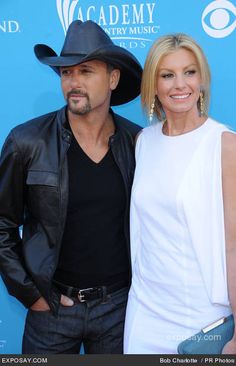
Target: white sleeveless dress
(179,282)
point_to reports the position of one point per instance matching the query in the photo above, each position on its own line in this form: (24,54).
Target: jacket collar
(62,121)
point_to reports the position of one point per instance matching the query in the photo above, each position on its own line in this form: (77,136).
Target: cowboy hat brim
(131,71)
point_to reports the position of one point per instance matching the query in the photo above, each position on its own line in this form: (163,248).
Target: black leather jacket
(34,193)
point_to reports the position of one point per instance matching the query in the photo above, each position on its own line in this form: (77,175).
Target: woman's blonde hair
(162,47)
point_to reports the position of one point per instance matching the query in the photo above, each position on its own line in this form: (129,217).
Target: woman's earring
(151,112)
(201,103)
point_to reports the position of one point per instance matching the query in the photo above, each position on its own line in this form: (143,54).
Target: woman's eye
(191,72)
(167,76)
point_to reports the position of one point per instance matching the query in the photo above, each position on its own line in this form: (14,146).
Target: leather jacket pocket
(43,196)
(35,177)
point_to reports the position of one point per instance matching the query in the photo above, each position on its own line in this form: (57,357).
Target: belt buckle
(81,295)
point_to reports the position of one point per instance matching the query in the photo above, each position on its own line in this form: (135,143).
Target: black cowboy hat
(86,41)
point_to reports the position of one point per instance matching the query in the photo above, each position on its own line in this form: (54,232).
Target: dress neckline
(188,133)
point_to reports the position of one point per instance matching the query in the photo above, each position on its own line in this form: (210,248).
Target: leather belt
(90,293)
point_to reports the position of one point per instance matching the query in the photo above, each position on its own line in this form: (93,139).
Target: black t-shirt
(93,250)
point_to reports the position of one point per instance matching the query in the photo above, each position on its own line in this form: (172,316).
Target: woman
(183,209)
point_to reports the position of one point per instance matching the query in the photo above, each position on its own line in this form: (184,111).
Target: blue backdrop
(29,88)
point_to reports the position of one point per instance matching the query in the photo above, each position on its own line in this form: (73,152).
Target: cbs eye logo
(218,19)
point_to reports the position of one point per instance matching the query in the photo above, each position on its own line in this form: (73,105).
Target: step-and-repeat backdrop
(29,88)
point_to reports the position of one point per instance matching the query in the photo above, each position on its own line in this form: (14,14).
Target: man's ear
(114,78)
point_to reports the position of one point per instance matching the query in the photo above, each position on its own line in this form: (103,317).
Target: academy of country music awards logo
(219,18)
(133,24)
(130,25)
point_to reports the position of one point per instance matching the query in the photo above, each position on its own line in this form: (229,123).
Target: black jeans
(98,325)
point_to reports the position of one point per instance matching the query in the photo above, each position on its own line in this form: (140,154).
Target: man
(66,178)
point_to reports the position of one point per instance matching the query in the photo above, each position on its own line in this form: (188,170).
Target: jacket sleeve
(12,192)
